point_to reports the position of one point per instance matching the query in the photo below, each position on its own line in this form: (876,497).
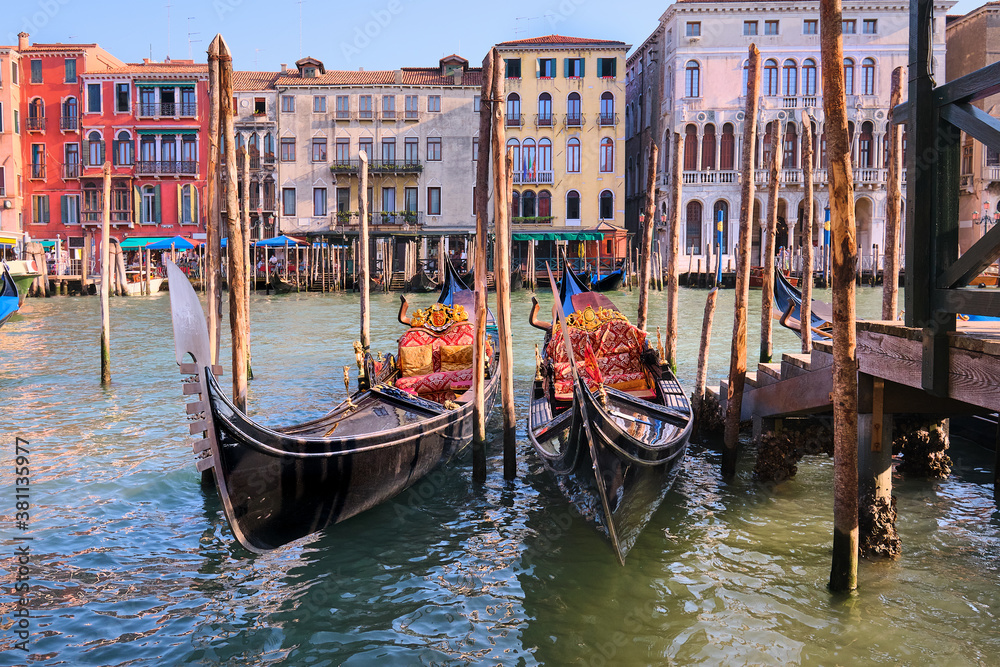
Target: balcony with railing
(809,102)
(366,114)
(36,170)
(34,124)
(535,221)
(574,120)
(789,103)
(69,123)
(513,120)
(378,166)
(607,119)
(539,177)
(166,167)
(991,173)
(261,204)
(543,120)
(388,116)
(168,109)
(411,114)
(71,170)
(378,220)
(868,176)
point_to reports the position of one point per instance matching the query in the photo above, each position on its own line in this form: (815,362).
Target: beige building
(256,125)
(974,43)
(704,50)
(11,173)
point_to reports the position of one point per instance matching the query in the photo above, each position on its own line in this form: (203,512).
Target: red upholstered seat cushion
(457,381)
(617,345)
(439,382)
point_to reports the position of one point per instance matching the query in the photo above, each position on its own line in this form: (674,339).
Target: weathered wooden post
(105,277)
(213,236)
(767,246)
(738,358)
(236,269)
(698,399)
(844,569)
(479,252)
(646,256)
(894,186)
(248,267)
(806,284)
(364,285)
(673,254)
(503,165)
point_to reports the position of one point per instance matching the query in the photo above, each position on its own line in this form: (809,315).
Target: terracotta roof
(57,47)
(419,76)
(254,80)
(560,40)
(411,76)
(158,68)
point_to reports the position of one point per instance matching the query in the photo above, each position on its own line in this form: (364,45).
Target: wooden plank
(198,427)
(973,86)
(805,394)
(197,407)
(199,446)
(972,262)
(901,113)
(975,122)
(191,388)
(205,463)
(970,301)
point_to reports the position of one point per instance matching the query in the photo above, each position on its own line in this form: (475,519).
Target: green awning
(168,130)
(140,241)
(558,236)
(48,245)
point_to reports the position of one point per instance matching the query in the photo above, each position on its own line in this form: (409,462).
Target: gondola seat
(437,366)
(616,343)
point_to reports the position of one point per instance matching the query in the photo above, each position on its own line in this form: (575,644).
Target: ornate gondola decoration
(608,418)
(412,412)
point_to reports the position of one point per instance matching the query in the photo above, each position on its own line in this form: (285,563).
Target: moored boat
(421,282)
(608,418)
(412,412)
(788,303)
(609,282)
(279,285)
(9,302)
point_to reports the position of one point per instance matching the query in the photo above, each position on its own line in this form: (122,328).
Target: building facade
(11,170)
(643,101)
(974,43)
(704,47)
(256,125)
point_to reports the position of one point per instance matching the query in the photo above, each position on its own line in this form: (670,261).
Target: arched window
(866,145)
(188,205)
(514,148)
(721,218)
(607,205)
(708,148)
(727,157)
(515,204)
(573,155)
(544,204)
(638,127)
(746,76)
(690,147)
(544,110)
(630,177)
(764,145)
(848,76)
(628,120)
(809,77)
(95,149)
(514,109)
(529,164)
(692,79)
(573,206)
(607,108)
(693,226)
(573,109)
(789,79)
(70,111)
(607,155)
(790,146)
(269,147)
(253,147)
(150,205)
(545,156)
(771,77)
(124,149)
(92,202)
(868,76)
(528,204)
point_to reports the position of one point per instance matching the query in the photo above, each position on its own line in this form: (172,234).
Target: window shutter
(614,67)
(103,159)
(157,213)
(63,209)
(180,213)
(566,67)
(583,62)
(136,204)
(45,208)
(538,67)
(194,205)
(600,66)
(114,150)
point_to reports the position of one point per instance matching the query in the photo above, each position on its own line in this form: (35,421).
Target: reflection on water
(133,562)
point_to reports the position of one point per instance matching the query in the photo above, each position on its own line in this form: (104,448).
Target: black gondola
(280,484)
(9,300)
(279,285)
(610,282)
(615,432)
(516,279)
(788,302)
(421,282)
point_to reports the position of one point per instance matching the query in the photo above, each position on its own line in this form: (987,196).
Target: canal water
(132,563)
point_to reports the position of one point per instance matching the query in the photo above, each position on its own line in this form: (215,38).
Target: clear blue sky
(379,34)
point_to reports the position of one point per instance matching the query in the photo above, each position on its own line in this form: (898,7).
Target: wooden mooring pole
(738,356)
(844,568)
(213,236)
(106,277)
(894,187)
(487,103)
(706,338)
(364,286)
(806,284)
(646,254)
(237,270)
(248,267)
(673,253)
(767,247)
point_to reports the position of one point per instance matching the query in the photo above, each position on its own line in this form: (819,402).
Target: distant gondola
(281,286)
(9,301)
(608,418)
(610,282)
(788,302)
(516,279)
(410,414)
(421,282)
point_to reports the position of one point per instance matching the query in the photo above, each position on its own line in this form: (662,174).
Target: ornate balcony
(71,123)
(607,119)
(540,177)
(166,167)
(34,124)
(378,166)
(543,120)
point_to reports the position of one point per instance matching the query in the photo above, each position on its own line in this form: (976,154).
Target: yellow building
(562,99)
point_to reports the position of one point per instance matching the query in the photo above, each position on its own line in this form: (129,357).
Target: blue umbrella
(177,243)
(280,242)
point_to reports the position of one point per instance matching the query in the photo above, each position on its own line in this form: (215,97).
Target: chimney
(398,77)
(284,66)
(22,41)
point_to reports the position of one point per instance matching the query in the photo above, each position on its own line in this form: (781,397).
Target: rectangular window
(869,26)
(71,161)
(13,72)
(188,105)
(1,116)
(411,107)
(288,149)
(966,159)
(319,201)
(848,26)
(389,107)
(411,150)
(287,104)
(513,68)
(388,150)
(122,98)
(365,144)
(319,104)
(389,200)
(343,200)
(607,68)
(36,71)
(319,149)
(343,107)
(70,66)
(410,200)
(259,106)
(434,103)
(749,27)
(93,98)
(433,149)
(287,201)
(37,160)
(770,27)
(475,148)
(40,209)
(343,155)
(693,29)
(573,68)
(365,106)
(433,201)
(810,27)
(3,182)
(476,104)
(17,121)
(70,205)
(546,68)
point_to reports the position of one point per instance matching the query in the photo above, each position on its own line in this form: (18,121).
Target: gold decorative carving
(589,319)
(438,317)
